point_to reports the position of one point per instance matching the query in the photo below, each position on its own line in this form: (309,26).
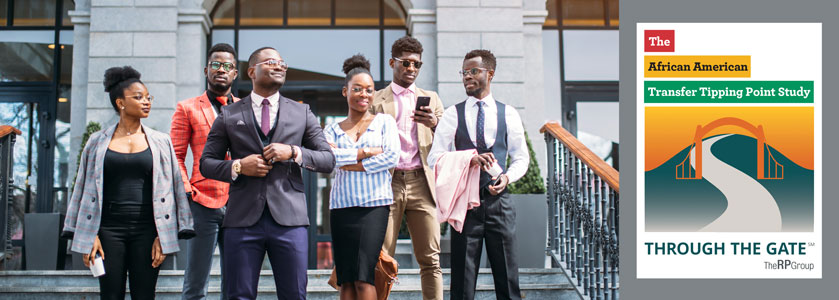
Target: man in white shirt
(495,131)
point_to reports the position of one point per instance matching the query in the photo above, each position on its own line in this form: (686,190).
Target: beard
(475,92)
(220,87)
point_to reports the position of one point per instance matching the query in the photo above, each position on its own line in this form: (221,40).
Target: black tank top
(127,187)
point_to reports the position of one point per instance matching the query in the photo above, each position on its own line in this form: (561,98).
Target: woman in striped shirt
(365,146)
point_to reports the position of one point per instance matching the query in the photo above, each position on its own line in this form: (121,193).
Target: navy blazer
(234,130)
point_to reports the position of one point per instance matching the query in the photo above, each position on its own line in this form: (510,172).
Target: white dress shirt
(273,106)
(516,144)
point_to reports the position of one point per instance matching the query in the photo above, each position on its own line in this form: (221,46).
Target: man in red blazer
(190,126)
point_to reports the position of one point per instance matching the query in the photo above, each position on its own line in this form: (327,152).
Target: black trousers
(127,246)
(494,222)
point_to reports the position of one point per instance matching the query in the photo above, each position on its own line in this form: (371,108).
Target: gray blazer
(171,209)
(234,130)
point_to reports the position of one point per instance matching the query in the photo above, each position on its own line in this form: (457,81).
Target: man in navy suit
(269,138)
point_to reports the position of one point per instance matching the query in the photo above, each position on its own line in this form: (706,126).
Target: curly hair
(117,79)
(405,44)
(222,47)
(487,58)
(357,64)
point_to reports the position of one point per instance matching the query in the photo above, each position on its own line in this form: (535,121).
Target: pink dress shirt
(405,100)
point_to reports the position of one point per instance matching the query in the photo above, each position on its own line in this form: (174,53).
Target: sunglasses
(274,63)
(407,63)
(215,65)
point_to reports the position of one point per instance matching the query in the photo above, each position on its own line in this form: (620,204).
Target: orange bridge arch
(701,131)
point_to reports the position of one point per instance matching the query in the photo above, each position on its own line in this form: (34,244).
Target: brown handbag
(386,271)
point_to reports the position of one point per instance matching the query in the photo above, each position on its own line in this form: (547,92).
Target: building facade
(557,60)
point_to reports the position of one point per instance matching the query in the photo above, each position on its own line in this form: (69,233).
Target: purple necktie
(266,117)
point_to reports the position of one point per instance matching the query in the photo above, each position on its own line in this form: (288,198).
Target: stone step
(317,278)
(535,284)
(529,291)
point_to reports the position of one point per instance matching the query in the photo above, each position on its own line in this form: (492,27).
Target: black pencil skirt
(357,237)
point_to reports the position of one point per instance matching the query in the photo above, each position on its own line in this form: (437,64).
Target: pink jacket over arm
(458,187)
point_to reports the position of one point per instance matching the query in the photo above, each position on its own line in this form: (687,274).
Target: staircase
(78,284)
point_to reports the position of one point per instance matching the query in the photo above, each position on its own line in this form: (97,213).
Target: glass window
(225,13)
(22,115)
(357,12)
(614,12)
(34,13)
(223,36)
(321,58)
(309,12)
(590,54)
(260,12)
(551,20)
(394,14)
(4,14)
(582,13)
(67,6)
(27,55)
(391,35)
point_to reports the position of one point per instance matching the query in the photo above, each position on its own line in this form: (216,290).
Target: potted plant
(528,196)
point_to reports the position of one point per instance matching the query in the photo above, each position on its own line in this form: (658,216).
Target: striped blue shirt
(370,188)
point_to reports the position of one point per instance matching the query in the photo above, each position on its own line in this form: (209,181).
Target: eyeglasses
(407,63)
(472,71)
(215,65)
(140,98)
(274,63)
(358,90)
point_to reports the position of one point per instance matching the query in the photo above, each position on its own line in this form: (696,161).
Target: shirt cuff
(299,157)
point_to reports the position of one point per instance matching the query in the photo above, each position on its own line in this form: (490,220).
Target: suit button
(167,217)
(89,216)
(92,199)
(162,199)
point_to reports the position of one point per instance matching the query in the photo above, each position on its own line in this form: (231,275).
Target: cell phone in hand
(422,101)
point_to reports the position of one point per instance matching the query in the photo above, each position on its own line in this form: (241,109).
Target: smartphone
(422,101)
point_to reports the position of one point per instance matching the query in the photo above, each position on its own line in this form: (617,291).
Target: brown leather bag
(386,271)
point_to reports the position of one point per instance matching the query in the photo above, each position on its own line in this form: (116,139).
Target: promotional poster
(729,150)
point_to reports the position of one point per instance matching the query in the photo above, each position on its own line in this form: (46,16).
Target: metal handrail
(7,142)
(583,195)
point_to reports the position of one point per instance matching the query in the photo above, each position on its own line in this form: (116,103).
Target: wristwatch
(237,166)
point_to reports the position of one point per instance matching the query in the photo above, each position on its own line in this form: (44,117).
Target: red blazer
(190,126)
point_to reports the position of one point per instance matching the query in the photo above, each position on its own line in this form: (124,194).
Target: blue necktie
(479,130)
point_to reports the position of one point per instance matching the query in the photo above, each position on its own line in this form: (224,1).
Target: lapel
(388,105)
(206,107)
(101,149)
(246,111)
(155,155)
(282,118)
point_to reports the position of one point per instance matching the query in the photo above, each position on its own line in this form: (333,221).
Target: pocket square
(240,122)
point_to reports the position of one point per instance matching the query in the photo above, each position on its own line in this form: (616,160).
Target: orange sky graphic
(668,130)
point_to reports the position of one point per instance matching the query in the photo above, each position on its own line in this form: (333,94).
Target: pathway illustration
(751,208)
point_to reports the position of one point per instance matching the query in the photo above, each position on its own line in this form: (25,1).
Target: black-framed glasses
(407,63)
(215,65)
(274,63)
(472,71)
(140,98)
(358,90)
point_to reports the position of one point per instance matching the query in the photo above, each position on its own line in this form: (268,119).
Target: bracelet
(293,152)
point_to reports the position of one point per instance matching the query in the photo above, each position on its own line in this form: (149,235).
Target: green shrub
(532,182)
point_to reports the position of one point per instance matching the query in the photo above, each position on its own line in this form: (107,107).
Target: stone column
(511,29)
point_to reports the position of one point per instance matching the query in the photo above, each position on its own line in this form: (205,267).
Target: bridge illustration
(767,166)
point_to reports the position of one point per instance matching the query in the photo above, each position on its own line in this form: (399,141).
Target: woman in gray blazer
(129,205)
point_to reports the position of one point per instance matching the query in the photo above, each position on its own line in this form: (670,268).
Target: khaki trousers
(412,198)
